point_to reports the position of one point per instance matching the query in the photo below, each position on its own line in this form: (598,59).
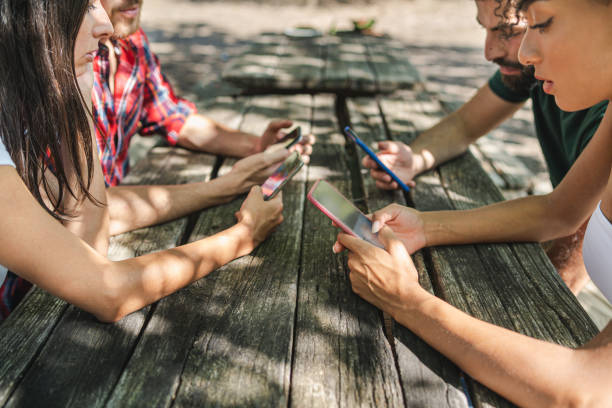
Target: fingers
(381,217)
(381,176)
(277,125)
(394,246)
(388,146)
(308,139)
(352,243)
(274,156)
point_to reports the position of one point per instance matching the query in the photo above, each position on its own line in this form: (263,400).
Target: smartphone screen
(342,212)
(281,176)
(292,137)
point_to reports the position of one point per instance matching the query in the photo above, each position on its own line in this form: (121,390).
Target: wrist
(422,161)
(412,303)
(244,233)
(430,228)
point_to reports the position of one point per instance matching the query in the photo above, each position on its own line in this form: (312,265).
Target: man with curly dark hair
(562,135)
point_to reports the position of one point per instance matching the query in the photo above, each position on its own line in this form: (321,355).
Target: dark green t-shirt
(562,135)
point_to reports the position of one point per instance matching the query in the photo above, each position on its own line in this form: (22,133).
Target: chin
(573,104)
(124,29)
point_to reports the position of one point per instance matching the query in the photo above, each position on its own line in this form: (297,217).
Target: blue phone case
(351,134)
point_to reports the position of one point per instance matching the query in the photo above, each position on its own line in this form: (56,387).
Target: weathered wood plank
(391,65)
(257,66)
(80,347)
(341,357)
(418,363)
(513,286)
(152,374)
(301,64)
(23,334)
(240,350)
(346,65)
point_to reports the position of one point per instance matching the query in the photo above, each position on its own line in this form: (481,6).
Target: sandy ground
(195,40)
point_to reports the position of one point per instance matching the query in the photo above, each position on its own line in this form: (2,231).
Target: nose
(528,52)
(494,46)
(103,28)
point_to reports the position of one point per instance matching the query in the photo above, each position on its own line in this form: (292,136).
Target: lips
(547,85)
(131,12)
(506,70)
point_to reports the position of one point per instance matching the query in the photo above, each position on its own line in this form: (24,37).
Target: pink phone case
(331,216)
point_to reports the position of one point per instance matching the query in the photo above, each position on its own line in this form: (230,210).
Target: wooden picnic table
(282,327)
(346,64)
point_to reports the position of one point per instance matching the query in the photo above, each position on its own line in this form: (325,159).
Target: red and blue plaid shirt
(143,102)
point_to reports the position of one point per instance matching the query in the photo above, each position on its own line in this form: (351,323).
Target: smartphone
(337,207)
(292,137)
(351,135)
(281,176)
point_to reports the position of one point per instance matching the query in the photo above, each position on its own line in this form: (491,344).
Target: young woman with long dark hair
(49,172)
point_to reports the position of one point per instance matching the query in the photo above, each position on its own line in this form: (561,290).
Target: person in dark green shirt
(562,135)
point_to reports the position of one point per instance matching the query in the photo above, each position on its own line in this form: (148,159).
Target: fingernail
(376,226)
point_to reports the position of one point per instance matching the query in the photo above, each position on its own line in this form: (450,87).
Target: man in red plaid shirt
(131,95)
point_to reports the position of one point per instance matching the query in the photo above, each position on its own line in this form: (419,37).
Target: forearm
(133,207)
(204,134)
(151,277)
(527,371)
(453,135)
(529,219)
(442,142)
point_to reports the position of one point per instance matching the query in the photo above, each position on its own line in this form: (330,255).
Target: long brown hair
(43,122)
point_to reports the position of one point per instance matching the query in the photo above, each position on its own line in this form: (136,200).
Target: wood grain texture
(511,285)
(418,363)
(341,356)
(238,350)
(79,347)
(346,64)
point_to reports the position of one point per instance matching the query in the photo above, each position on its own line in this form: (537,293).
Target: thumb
(380,218)
(273,156)
(280,124)
(388,146)
(394,246)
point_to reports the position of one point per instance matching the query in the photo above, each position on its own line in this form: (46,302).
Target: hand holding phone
(281,176)
(291,138)
(351,134)
(341,211)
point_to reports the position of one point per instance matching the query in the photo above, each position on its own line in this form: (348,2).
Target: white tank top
(5,159)
(597,252)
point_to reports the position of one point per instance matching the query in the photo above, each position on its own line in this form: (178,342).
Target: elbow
(582,398)
(110,300)
(109,309)
(558,221)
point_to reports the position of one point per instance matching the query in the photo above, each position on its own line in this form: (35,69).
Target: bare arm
(448,139)
(42,251)
(534,218)
(454,134)
(527,371)
(205,134)
(133,207)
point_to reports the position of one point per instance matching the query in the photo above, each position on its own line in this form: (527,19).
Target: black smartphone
(281,176)
(292,137)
